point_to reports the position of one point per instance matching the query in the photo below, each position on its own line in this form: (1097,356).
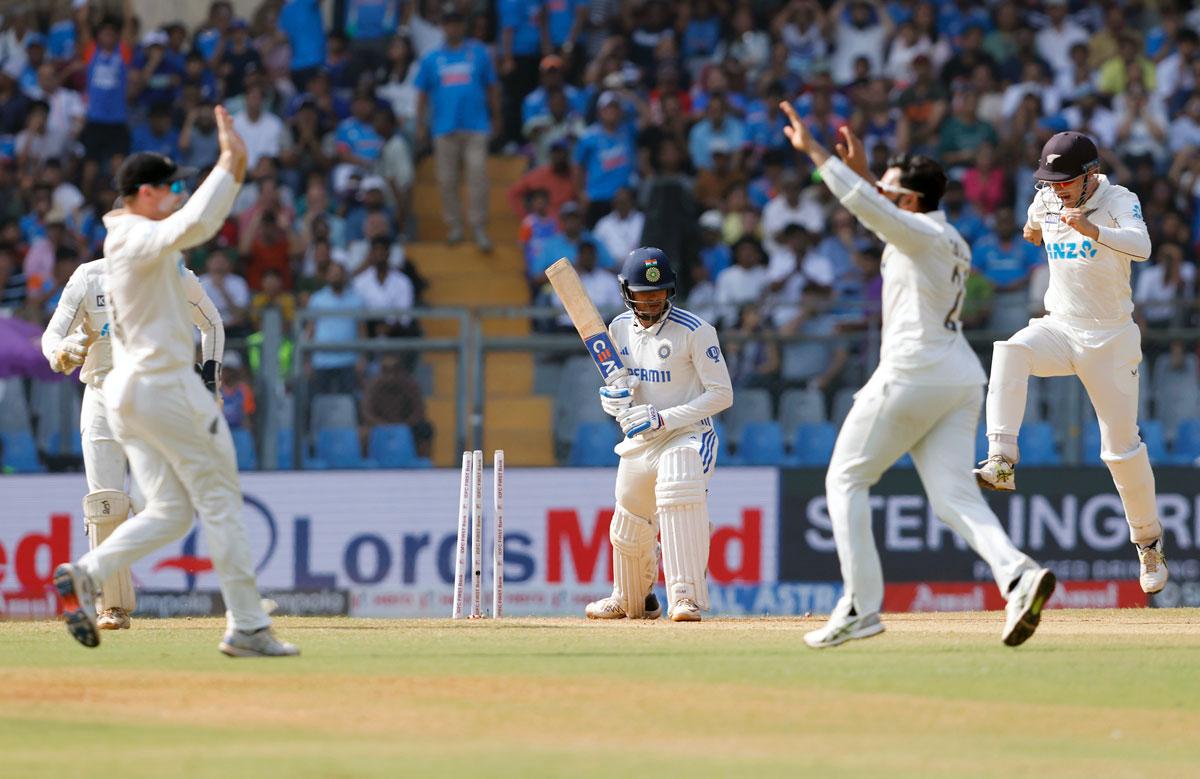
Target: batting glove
(618,396)
(640,419)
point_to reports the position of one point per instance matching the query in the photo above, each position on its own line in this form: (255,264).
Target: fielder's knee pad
(103,511)
(1134,480)
(683,522)
(635,560)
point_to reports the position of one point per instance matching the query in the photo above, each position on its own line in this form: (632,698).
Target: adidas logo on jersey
(624,351)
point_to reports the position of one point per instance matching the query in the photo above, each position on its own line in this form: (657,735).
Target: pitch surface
(1095,693)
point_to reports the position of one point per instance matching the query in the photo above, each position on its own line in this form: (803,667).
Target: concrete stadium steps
(510,424)
(427,200)
(440,411)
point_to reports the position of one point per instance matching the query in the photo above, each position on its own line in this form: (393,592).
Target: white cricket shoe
(1025,602)
(685,610)
(996,473)
(78,593)
(1154,567)
(256,643)
(611,608)
(843,627)
(115,618)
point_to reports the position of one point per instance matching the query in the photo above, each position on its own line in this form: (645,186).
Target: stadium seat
(20,453)
(1176,392)
(798,407)
(338,447)
(285,442)
(981,443)
(762,444)
(1155,438)
(724,455)
(392,446)
(1091,443)
(57,444)
(750,405)
(812,446)
(1037,444)
(1187,442)
(842,401)
(14,408)
(247,453)
(333,411)
(593,444)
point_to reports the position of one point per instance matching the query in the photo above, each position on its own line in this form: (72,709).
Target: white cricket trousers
(182,457)
(936,425)
(104,466)
(1106,359)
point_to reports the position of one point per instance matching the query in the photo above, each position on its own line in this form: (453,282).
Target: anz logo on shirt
(1071,250)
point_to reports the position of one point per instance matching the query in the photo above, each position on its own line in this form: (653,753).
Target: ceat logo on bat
(191,564)
(603,354)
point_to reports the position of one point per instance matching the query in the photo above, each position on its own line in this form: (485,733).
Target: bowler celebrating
(79,335)
(677,383)
(922,399)
(1092,230)
(179,446)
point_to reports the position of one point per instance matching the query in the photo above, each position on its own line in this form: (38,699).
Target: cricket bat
(586,319)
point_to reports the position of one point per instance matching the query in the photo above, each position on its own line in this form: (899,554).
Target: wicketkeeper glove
(71,352)
(640,419)
(210,372)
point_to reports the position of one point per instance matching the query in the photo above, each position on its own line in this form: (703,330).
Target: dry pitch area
(1094,694)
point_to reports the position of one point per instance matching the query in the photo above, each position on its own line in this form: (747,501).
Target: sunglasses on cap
(177,187)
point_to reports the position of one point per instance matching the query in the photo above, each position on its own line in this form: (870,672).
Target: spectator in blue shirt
(457,85)
(107,59)
(356,141)
(156,133)
(335,372)
(1007,261)
(524,38)
(565,20)
(208,40)
(160,77)
(370,27)
(537,102)
(605,158)
(960,213)
(717,123)
(301,20)
(239,59)
(566,244)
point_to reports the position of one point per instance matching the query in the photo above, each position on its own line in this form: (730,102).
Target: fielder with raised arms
(1093,230)
(179,446)
(677,381)
(78,336)
(923,398)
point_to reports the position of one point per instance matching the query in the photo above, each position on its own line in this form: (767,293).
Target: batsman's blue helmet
(646,269)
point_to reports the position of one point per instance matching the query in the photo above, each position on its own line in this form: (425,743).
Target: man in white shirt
(1054,41)
(1093,231)
(789,207)
(178,443)
(265,133)
(67,110)
(79,335)
(228,291)
(621,229)
(381,287)
(601,285)
(743,282)
(923,398)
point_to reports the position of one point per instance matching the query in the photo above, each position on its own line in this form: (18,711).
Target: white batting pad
(1134,480)
(1007,393)
(632,540)
(683,523)
(103,510)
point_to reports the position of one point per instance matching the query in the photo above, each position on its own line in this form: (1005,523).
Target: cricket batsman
(78,336)
(677,382)
(178,444)
(1092,230)
(923,398)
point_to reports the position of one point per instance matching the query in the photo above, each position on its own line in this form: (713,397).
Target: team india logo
(653,274)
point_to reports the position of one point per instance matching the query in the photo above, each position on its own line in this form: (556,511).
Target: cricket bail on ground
(470,526)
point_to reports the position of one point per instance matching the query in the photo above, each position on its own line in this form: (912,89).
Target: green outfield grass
(1095,694)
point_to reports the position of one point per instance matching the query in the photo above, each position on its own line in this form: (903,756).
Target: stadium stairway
(515,419)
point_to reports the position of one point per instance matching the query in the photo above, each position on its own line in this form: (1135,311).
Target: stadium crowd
(643,122)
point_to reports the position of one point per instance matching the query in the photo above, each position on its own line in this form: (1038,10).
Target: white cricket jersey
(682,372)
(1089,279)
(146,281)
(83,301)
(925,268)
